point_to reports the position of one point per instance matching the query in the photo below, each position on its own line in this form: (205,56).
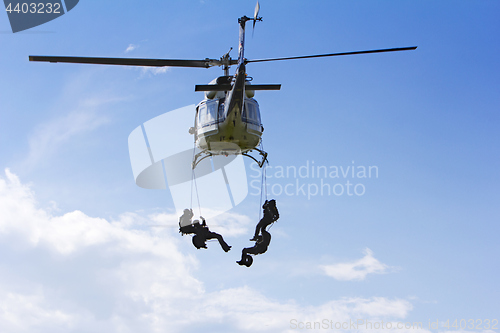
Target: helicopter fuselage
(228,122)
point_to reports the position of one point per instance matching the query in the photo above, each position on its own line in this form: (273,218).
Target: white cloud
(153,70)
(131,47)
(77,111)
(48,137)
(76,273)
(356,270)
(14,307)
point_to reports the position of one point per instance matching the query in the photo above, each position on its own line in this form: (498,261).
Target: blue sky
(78,249)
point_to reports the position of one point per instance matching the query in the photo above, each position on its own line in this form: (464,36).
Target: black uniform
(271,215)
(202,234)
(263,240)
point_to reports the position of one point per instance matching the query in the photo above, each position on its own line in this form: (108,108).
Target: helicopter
(227,120)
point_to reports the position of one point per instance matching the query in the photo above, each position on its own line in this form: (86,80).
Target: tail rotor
(256,16)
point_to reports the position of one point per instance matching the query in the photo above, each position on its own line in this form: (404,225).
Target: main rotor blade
(206,63)
(336,54)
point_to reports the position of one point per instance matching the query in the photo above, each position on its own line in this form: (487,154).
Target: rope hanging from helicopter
(263,183)
(263,188)
(193,182)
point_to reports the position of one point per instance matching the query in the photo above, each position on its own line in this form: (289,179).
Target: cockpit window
(207,114)
(251,113)
(221,111)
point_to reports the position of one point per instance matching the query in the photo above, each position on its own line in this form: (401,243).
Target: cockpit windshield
(251,112)
(207,113)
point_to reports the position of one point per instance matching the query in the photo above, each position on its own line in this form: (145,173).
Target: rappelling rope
(263,183)
(193,181)
(197,195)
(264,189)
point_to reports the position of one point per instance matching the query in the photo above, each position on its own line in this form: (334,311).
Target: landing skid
(195,162)
(206,153)
(262,153)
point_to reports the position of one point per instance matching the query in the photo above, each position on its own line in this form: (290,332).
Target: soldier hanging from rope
(201,231)
(261,237)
